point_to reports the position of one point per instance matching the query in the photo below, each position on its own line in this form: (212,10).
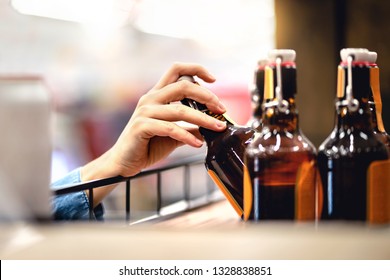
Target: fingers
(180,69)
(178,112)
(184,89)
(158,110)
(168,90)
(149,128)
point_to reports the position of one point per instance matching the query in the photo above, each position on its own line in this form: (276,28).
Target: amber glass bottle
(280,163)
(349,179)
(375,102)
(257,95)
(225,153)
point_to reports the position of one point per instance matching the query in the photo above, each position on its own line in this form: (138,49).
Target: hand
(152,132)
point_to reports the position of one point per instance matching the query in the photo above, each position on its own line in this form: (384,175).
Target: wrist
(98,168)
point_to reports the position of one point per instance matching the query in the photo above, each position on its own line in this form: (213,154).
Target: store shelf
(184,168)
(210,232)
(200,227)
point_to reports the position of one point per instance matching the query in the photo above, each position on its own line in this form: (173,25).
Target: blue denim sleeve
(73,206)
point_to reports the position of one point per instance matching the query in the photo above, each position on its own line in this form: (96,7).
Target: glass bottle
(225,153)
(280,163)
(257,94)
(375,102)
(345,158)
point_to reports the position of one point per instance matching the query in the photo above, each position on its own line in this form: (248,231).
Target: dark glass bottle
(375,102)
(346,156)
(257,96)
(280,163)
(225,153)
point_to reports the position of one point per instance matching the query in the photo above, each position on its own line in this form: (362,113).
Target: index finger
(180,69)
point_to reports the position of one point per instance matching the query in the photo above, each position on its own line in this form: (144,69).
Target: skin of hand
(152,132)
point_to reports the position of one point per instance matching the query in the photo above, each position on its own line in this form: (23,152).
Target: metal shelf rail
(187,163)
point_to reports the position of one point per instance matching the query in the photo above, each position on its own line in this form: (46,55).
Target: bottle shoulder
(383,137)
(254,123)
(232,135)
(351,142)
(238,131)
(281,141)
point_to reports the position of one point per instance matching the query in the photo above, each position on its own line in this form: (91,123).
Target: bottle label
(305,191)
(374,81)
(248,194)
(221,117)
(227,194)
(378,192)
(268,84)
(228,119)
(340,82)
(319,195)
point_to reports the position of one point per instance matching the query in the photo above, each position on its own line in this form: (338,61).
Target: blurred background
(98,57)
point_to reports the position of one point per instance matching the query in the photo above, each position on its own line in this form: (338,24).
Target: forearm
(99,168)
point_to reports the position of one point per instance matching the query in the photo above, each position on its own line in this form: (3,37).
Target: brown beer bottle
(375,102)
(280,163)
(225,153)
(352,161)
(257,95)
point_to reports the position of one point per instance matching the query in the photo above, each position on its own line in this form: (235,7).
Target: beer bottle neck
(202,108)
(279,109)
(352,106)
(257,103)
(258,112)
(208,134)
(360,119)
(259,91)
(281,120)
(375,122)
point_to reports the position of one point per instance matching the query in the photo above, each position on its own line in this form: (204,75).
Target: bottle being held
(280,163)
(352,161)
(257,95)
(225,153)
(375,102)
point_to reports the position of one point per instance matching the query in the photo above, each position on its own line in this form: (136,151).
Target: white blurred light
(99,18)
(111,12)
(221,22)
(241,30)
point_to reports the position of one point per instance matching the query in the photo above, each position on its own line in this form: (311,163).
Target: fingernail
(220,124)
(212,76)
(221,106)
(199,142)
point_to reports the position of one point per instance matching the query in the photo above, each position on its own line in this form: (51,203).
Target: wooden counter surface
(210,232)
